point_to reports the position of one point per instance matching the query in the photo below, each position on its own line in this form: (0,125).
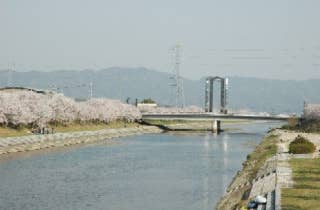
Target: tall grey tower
(209,94)
(177,79)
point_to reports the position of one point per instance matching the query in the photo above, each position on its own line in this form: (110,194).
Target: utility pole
(9,79)
(90,90)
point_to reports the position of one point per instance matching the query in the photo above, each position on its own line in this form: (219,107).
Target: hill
(122,83)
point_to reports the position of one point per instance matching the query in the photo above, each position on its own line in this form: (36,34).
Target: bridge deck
(209,116)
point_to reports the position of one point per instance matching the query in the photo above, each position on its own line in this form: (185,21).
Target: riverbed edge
(274,174)
(11,145)
(242,182)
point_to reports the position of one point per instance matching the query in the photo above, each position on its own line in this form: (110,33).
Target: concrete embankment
(36,142)
(266,172)
(257,177)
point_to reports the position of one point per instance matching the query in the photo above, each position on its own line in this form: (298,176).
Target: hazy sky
(269,39)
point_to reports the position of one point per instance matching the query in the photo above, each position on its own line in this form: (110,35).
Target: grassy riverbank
(305,193)
(61,139)
(263,151)
(11,132)
(297,179)
(72,127)
(237,192)
(93,126)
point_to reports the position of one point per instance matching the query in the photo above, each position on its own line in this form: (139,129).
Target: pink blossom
(27,107)
(312,111)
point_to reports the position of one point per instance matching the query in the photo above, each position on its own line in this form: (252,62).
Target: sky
(277,39)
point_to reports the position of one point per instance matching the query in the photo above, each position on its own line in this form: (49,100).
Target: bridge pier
(216,126)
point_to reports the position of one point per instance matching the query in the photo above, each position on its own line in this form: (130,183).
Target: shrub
(248,157)
(304,125)
(310,126)
(301,146)
(148,101)
(293,122)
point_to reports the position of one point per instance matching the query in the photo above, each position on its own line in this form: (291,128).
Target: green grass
(11,132)
(267,148)
(92,126)
(305,193)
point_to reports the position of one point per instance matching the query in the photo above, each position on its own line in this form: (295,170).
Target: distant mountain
(245,93)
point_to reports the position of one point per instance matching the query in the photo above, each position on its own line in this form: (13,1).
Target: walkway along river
(151,171)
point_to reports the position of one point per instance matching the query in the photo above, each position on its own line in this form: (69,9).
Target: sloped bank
(37,142)
(255,166)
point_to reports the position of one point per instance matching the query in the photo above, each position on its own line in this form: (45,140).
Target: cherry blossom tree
(23,107)
(312,111)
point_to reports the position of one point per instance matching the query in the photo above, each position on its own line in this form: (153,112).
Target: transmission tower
(10,71)
(177,79)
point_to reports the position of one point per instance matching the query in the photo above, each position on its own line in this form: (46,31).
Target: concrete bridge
(209,114)
(215,118)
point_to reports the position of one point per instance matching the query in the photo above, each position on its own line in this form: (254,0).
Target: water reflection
(206,159)
(162,171)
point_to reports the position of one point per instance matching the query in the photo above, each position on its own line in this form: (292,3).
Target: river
(188,171)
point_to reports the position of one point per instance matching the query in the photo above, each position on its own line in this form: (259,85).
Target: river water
(148,172)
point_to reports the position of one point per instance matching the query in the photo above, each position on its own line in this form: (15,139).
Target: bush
(148,101)
(303,125)
(248,157)
(301,146)
(310,126)
(293,122)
